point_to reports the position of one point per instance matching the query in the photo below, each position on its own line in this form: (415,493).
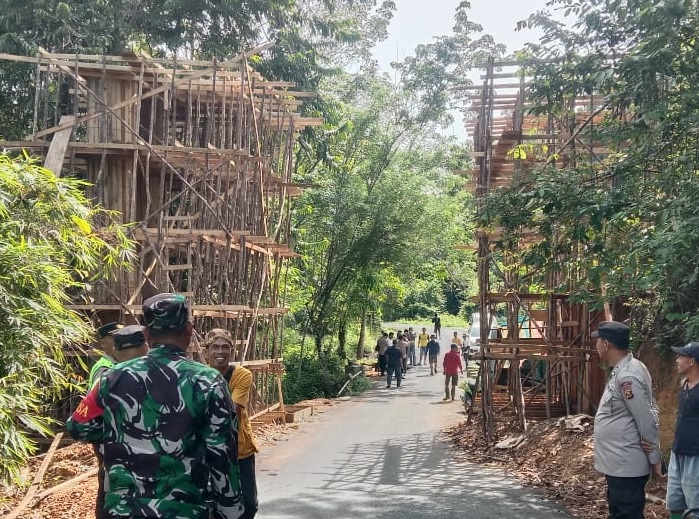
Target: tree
(623,225)
(50,250)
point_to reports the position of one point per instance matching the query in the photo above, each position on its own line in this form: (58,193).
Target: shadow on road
(410,477)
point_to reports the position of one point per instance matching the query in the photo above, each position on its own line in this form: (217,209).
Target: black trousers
(626,497)
(248,486)
(382,364)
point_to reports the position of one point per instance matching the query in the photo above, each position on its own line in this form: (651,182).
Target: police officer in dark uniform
(626,416)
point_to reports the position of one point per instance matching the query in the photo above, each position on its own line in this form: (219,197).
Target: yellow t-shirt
(240,384)
(422,340)
(457,341)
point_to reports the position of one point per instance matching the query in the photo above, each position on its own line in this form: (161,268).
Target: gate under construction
(543,363)
(197,158)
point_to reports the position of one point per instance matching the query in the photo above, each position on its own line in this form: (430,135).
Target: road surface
(381,455)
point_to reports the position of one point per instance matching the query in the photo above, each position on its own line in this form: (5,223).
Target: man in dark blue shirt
(433,353)
(683,473)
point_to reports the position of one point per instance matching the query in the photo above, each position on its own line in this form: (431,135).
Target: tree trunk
(362,335)
(319,345)
(342,339)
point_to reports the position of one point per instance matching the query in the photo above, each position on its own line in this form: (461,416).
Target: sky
(419,21)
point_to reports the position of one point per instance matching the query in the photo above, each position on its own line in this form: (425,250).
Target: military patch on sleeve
(88,408)
(627,389)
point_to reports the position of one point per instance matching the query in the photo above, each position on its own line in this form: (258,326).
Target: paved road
(381,455)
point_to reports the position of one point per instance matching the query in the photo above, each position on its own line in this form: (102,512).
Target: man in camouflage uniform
(165,425)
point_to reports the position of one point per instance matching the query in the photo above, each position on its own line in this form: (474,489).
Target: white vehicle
(474,332)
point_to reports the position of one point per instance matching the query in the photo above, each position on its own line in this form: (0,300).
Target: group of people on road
(626,432)
(172,435)
(396,355)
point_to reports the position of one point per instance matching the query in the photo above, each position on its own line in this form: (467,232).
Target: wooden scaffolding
(197,158)
(543,363)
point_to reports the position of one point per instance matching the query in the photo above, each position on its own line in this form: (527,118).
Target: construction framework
(197,157)
(543,363)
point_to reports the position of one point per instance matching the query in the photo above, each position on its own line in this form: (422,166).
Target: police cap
(129,337)
(615,332)
(105,330)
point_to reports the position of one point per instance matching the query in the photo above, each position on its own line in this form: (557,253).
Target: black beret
(165,312)
(615,332)
(129,337)
(105,330)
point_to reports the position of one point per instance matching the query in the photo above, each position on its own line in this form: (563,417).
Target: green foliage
(311,376)
(49,251)
(622,226)
(438,69)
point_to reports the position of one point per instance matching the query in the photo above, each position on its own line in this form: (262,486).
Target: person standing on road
(452,366)
(683,473)
(403,347)
(422,341)
(394,357)
(219,352)
(381,346)
(411,346)
(626,416)
(433,353)
(437,325)
(165,425)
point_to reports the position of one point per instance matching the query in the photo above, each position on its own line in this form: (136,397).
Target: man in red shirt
(452,366)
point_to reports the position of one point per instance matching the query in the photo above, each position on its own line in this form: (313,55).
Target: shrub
(48,250)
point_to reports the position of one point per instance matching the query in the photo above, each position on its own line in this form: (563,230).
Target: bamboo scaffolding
(560,345)
(198,157)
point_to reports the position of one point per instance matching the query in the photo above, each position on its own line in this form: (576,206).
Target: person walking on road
(437,325)
(381,346)
(452,366)
(219,353)
(165,425)
(422,341)
(394,357)
(626,416)
(433,353)
(683,473)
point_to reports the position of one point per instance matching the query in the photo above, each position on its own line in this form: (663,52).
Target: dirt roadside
(556,460)
(78,501)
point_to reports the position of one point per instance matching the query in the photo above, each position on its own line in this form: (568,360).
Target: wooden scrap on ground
(34,487)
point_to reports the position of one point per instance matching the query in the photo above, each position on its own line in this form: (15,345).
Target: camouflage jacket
(168,434)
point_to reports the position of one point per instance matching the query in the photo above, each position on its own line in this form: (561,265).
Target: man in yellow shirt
(422,341)
(219,351)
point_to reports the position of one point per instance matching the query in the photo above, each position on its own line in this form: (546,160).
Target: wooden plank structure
(543,364)
(197,157)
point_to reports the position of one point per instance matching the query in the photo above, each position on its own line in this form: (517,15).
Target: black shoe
(388,387)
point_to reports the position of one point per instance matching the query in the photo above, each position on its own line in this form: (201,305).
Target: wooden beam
(67,484)
(59,144)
